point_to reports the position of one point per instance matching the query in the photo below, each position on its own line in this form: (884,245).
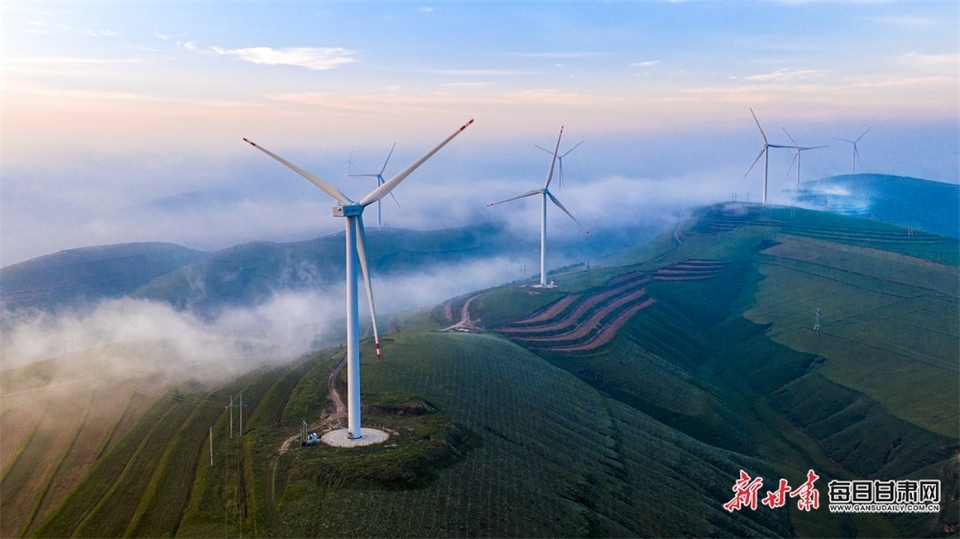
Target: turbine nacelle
(348,210)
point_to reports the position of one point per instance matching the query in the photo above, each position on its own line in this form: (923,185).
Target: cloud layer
(314,58)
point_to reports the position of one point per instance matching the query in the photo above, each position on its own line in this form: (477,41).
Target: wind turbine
(352,212)
(560,158)
(545,192)
(380,181)
(856,153)
(796,158)
(765,153)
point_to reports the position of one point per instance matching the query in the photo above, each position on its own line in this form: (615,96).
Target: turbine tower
(765,153)
(352,212)
(796,158)
(380,181)
(545,192)
(856,153)
(560,159)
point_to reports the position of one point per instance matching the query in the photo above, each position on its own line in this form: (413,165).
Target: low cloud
(157,338)
(154,338)
(313,58)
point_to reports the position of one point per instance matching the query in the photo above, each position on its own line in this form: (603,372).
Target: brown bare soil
(549,311)
(583,307)
(583,329)
(607,332)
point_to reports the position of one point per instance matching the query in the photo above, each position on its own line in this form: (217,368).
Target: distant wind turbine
(352,212)
(350,162)
(560,159)
(856,153)
(545,192)
(765,153)
(796,158)
(380,181)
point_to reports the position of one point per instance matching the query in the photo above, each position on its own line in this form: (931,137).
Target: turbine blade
(795,156)
(864,133)
(762,134)
(559,205)
(560,176)
(789,137)
(362,255)
(527,194)
(759,155)
(565,153)
(395,199)
(571,149)
(364,175)
(327,188)
(388,158)
(382,191)
(553,162)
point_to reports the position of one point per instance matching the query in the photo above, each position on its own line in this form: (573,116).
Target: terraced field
(582,321)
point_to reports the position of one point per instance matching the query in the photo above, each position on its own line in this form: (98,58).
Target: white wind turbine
(796,158)
(545,192)
(380,181)
(560,159)
(352,212)
(765,153)
(856,153)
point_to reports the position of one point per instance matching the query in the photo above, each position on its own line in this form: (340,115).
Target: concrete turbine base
(340,438)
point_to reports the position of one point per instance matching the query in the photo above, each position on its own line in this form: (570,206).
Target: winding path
(328,419)
(466,324)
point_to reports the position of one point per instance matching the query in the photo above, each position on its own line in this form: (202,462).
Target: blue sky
(122,121)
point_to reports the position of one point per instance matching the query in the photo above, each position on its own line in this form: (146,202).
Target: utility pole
(211,445)
(241,414)
(231,416)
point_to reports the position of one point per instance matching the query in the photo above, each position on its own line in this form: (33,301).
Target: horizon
(152,100)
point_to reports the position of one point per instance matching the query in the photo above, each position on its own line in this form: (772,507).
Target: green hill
(250,273)
(624,402)
(84,276)
(909,202)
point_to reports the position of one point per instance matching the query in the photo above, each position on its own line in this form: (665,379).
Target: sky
(122,121)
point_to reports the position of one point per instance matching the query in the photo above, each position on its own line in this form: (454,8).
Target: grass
(883,320)
(569,465)
(643,436)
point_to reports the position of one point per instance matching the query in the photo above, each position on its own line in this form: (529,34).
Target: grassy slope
(576,462)
(559,457)
(770,369)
